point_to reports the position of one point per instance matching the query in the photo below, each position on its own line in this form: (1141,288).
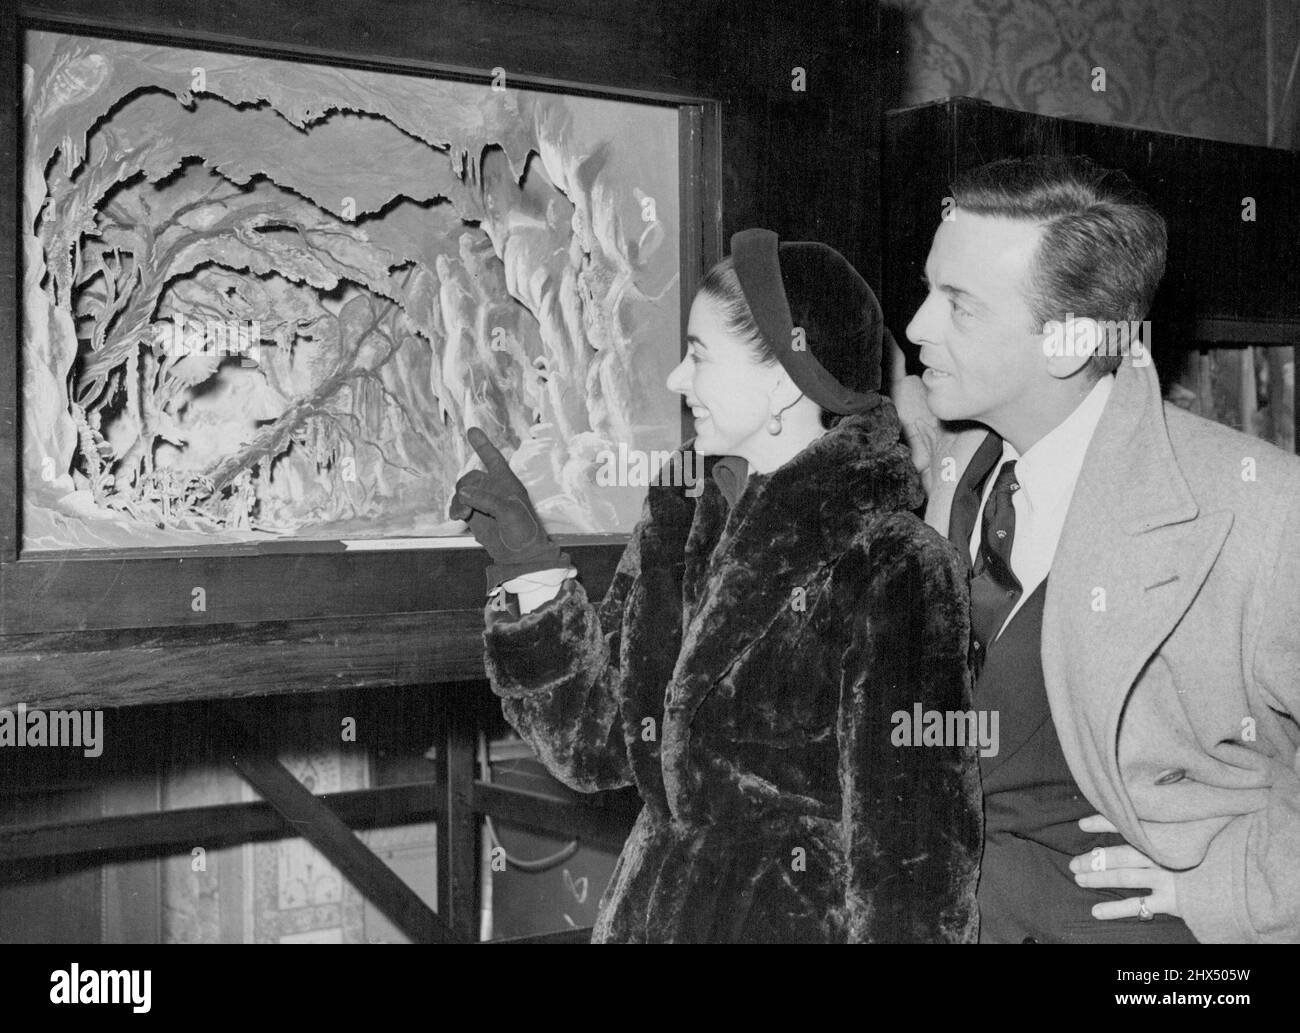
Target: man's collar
(1050,466)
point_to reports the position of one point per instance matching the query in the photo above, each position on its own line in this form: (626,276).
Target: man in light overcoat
(1135,578)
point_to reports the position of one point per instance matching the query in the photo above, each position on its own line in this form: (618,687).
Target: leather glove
(501,517)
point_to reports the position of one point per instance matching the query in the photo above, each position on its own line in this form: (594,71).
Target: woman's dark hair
(820,322)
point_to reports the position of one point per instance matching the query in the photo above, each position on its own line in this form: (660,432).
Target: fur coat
(745,671)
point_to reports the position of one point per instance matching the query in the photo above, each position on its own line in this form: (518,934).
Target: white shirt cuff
(536,587)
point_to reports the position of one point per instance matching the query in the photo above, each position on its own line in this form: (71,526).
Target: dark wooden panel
(121,667)
(458,846)
(114,669)
(97,594)
(175,831)
(1221,269)
(10,283)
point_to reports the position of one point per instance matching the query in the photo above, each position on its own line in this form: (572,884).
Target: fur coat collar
(743,563)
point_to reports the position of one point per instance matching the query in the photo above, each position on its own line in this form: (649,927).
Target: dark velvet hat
(815,311)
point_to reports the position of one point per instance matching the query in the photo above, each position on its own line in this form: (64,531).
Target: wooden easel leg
(324,830)
(458,874)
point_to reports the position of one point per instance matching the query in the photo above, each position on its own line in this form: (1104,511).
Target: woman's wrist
(538,587)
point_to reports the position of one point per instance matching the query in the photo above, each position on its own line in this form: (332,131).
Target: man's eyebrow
(692,339)
(948,288)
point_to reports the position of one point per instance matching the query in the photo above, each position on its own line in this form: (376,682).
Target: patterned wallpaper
(282,891)
(1198,67)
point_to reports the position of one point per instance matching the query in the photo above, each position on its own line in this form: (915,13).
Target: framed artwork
(263,300)
(270,262)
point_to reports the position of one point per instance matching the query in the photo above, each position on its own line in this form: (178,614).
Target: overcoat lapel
(1133,555)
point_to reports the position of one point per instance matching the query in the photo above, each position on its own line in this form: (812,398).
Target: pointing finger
(493,461)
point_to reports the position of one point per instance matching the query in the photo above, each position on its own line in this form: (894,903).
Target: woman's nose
(679,378)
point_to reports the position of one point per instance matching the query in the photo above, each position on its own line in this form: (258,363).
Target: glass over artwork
(264,300)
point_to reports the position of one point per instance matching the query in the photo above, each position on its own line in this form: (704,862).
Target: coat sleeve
(559,669)
(1247,887)
(912,813)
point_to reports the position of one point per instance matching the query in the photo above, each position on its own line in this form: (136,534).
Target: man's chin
(950,405)
(944,408)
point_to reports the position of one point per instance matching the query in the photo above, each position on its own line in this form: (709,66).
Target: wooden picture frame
(755,149)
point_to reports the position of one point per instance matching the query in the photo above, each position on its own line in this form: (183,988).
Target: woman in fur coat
(763,642)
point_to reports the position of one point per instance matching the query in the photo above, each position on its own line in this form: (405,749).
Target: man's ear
(1068,344)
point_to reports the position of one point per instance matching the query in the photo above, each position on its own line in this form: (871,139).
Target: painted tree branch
(271,441)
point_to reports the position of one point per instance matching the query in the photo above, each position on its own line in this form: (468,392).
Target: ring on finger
(1144,912)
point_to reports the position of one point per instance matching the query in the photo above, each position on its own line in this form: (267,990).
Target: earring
(774,424)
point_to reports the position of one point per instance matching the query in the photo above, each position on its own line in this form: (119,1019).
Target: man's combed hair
(1102,252)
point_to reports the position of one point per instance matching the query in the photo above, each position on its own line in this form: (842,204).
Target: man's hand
(921,427)
(495,503)
(1123,867)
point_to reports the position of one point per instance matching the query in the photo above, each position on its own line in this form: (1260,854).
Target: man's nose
(923,329)
(679,378)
